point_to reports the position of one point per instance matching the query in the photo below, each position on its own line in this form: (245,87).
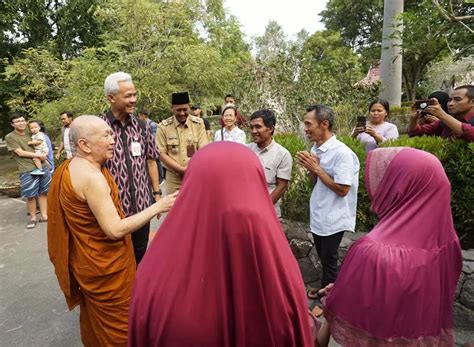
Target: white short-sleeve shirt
(67,143)
(235,135)
(329,212)
(276,162)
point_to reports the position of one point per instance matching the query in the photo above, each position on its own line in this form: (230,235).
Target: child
(38,141)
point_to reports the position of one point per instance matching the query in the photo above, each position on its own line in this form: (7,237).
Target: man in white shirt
(334,169)
(66,144)
(275,159)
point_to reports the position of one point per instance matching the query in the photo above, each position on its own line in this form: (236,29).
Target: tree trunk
(391,57)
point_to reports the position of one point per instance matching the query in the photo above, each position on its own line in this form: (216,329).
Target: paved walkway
(33,311)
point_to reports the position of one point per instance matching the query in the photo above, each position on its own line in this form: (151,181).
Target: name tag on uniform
(136,149)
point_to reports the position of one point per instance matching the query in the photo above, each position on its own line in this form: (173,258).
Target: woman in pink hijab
(396,285)
(220,271)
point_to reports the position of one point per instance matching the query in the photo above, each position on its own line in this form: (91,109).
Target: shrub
(403,110)
(457,159)
(295,204)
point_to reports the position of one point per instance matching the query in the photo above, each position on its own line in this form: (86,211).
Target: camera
(423,104)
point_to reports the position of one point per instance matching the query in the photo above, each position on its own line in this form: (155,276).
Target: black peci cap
(180,98)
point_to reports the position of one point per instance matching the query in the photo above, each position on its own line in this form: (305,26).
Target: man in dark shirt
(459,123)
(134,163)
(196,109)
(145,116)
(241,120)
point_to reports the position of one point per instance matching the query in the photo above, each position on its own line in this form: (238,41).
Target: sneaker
(37,172)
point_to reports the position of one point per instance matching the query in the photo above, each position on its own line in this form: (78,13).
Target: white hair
(111,84)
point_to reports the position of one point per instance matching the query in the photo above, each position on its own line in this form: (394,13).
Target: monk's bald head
(86,127)
(93,139)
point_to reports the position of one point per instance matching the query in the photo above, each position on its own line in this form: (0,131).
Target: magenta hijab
(397,284)
(220,271)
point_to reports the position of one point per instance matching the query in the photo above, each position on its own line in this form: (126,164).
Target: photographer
(459,123)
(443,98)
(375,129)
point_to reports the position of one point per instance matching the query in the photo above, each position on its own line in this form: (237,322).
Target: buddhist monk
(89,239)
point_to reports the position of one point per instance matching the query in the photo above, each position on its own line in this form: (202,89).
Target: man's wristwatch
(158,192)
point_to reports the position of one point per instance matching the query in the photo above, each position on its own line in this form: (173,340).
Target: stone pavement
(33,311)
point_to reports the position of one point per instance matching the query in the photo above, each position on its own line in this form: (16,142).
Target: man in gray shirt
(275,159)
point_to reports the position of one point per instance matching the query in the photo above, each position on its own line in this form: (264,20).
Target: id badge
(136,149)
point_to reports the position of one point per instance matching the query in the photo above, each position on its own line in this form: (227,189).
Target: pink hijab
(220,271)
(397,283)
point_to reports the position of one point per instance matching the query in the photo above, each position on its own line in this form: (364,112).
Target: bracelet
(157,192)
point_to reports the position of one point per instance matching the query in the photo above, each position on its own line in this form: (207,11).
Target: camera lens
(423,105)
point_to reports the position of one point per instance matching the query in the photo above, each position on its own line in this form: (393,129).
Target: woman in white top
(230,131)
(376,130)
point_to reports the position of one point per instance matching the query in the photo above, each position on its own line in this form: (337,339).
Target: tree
(453,17)
(447,73)
(41,78)
(158,43)
(391,58)
(272,43)
(427,35)
(289,75)
(360,24)
(63,28)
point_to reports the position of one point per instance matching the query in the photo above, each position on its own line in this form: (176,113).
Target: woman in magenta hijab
(220,271)
(396,285)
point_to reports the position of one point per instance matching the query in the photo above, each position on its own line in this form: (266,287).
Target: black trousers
(140,241)
(327,248)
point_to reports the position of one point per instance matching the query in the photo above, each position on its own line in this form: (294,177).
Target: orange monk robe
(93,270)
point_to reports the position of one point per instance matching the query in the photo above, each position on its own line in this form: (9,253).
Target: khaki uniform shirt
(180,141)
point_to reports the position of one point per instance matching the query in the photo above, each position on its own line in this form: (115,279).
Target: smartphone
(422,104)
(361,122)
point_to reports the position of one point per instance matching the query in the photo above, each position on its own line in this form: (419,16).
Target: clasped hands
(308,160)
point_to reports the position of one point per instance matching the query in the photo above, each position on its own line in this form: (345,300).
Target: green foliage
(457,159)
(447,73)
(360,24)
(295,203)
(41,77)
(289,75)
(427,35)
(402,110)
(163,45)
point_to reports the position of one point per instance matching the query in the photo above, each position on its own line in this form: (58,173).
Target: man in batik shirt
(134,162)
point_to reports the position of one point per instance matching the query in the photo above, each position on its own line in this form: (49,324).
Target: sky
(292,15)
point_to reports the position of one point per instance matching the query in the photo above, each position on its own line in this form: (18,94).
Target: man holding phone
(459,123)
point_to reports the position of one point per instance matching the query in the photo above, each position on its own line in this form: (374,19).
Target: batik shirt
(131,171)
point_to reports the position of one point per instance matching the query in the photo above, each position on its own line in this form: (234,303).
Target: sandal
(312,293)
(43,220)
(31,224)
